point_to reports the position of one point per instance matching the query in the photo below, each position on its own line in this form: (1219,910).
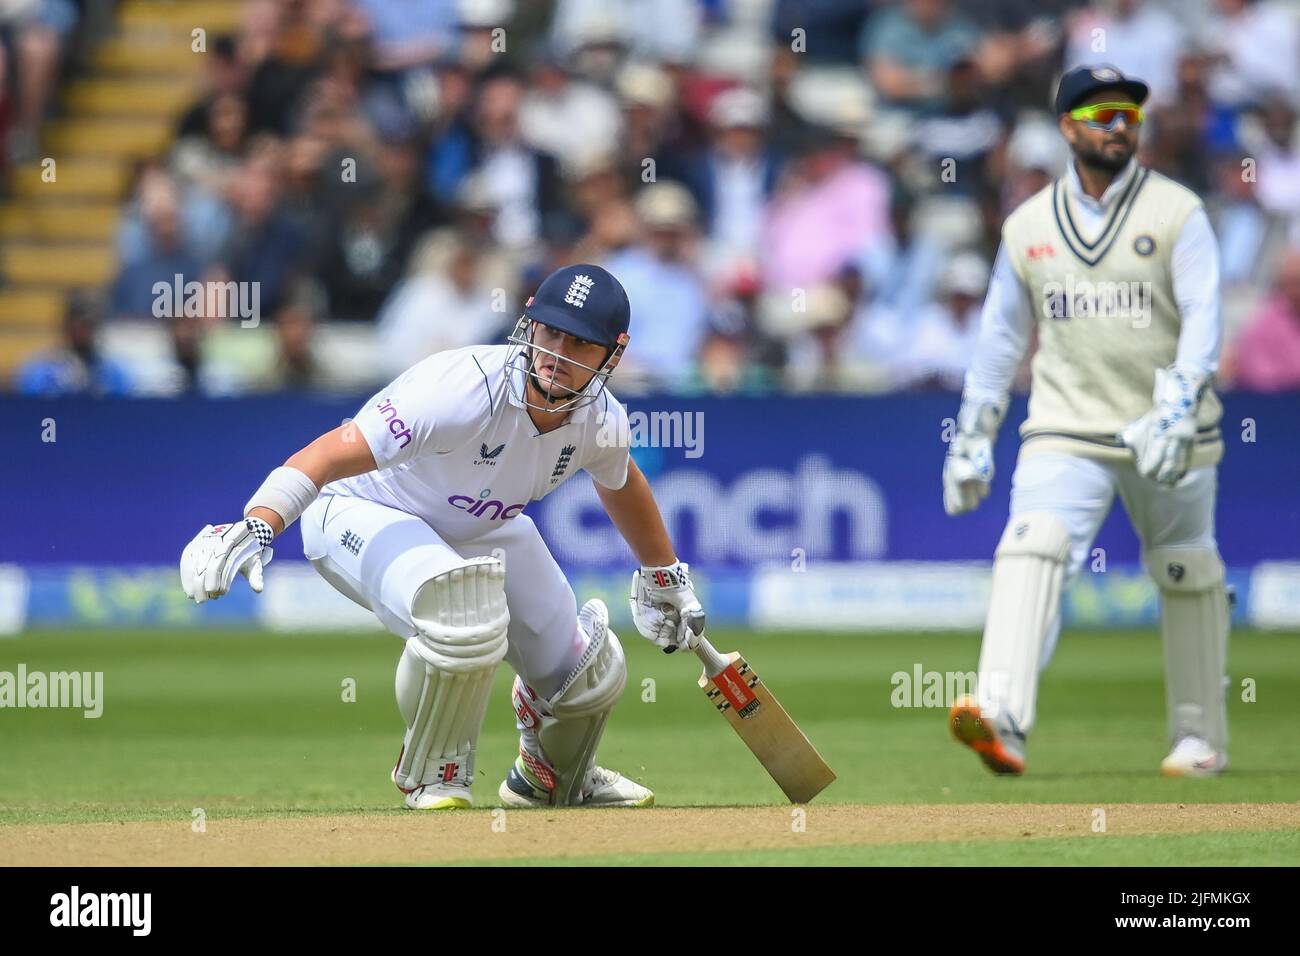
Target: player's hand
(664,607)
(968,468)
(210,562)
(1162,439)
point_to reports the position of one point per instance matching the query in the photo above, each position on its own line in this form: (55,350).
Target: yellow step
(107,138)
(53,221)
(166,54)
(17,347)
(212,15)
(73,179)
(118,97)
(30,308)
(65,264)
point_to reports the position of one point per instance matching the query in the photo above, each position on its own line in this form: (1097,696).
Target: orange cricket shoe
(1002,750)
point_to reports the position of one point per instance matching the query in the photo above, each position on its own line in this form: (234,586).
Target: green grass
(1192,849)
(247,724)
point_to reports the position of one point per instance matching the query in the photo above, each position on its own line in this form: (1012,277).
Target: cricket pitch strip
(498,835)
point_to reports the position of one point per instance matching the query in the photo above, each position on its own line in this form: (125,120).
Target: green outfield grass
(244,724)
(1195,849)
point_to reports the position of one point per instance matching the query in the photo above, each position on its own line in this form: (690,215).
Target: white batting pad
(1028,569)
(1194,627)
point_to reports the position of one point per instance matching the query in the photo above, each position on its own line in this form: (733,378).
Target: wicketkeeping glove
(664,607)
(968,469)
(1162,439)
(210,562)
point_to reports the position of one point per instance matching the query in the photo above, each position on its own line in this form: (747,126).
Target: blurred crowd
(797,194)
(34,37)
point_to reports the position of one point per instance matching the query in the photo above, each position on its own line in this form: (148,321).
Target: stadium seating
(56,230)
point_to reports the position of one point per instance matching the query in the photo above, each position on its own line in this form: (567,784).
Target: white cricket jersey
(454,446)
(1064,261)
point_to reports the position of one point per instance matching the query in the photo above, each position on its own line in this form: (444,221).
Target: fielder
(414,511)
(1117,269)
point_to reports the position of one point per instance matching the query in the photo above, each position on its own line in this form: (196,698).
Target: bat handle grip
(714,663)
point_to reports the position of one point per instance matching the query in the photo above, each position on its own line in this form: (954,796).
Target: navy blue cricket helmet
(585,301)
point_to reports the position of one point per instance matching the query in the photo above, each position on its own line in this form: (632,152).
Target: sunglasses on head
(1107,115)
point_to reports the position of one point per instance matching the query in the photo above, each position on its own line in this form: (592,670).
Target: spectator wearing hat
(651,120)
(477,39)
(650,29)
(733,178)
(670,305)
(943,339)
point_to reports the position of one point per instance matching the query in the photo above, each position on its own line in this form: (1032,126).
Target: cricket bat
(762,723)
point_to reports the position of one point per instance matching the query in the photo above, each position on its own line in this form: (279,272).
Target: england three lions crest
(579,289)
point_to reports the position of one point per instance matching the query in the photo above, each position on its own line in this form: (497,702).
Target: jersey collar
(1116,188)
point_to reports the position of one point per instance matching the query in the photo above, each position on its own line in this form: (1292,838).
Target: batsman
(1116,268)
(414,510)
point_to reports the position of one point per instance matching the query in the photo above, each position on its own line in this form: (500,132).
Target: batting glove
(968,469)
(210,562)
(664,607)
(1162,439)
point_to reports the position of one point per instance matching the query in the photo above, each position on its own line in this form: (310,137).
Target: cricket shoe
(1193,757)
(450,792)
(1001,747)
(604,788)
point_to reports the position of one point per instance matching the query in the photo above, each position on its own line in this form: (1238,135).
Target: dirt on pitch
(486,835)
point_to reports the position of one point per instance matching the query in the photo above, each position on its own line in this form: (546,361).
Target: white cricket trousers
(379,557)
(1080,491)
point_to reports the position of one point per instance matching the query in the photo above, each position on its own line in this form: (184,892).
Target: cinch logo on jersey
(103,909)
(479,507)
(579,289)
(1099,300)
(396,426)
